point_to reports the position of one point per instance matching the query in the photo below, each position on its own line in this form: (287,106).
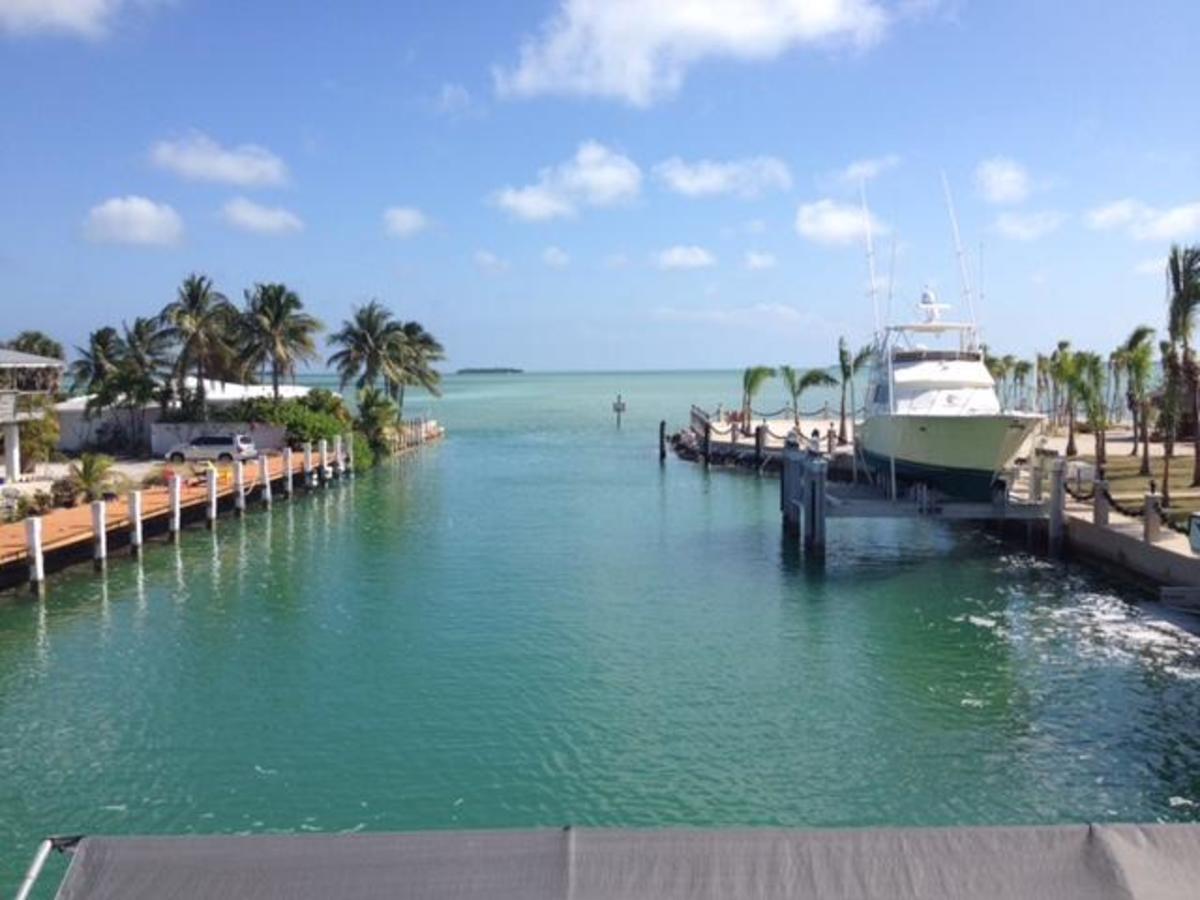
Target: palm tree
(146,348)
(1168,415)
(1138,362)
(38,343)
(1183,274)
(1064,371)
(98,361)
(1022,368)
(93,475)
(797,383)
(849,366)
(1088,383)
(376,417)
(753,378)
(414,355)
(275,332)
(368,342)
(199,321)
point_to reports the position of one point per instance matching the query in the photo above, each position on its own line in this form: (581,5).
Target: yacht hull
(958,455)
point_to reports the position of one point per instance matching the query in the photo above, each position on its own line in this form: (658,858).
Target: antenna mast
(862,190)
(962,259)
(891,278)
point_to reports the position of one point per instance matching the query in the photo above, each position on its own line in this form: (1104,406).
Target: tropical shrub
(64,491)
(364,454)
(39,437)
(94,476)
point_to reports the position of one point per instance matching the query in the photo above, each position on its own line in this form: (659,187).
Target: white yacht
(932,413)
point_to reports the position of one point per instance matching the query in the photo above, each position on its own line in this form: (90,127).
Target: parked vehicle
(219,447)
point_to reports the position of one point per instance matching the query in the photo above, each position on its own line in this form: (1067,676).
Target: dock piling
(707,443)
(790,484)
(1100,502)
(815,476)
(99,533)
(337,455)
(323,449)
(210,507)
(239,487)
(264,472)
(662,441)
(308,464)
(760,443)
(287,471)
(1151,519)
(174,484)
(37,559)
(135,522)
(1056,520)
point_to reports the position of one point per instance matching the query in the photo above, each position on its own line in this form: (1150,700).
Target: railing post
(99,533)
(1151,520)
(1100,502)
(239,487)
(37,559)
(135,522)
(1058,506)
(287,471)
(264,472)
(174,489)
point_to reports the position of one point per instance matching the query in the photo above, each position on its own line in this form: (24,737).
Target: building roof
(15,359)
(1069,862)
(217,393)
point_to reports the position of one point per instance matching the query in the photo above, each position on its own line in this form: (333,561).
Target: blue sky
(590,185)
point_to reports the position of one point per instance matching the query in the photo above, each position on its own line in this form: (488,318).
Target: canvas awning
(1067,862)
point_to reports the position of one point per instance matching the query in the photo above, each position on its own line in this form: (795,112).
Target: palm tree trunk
(400,402)
(1071,449)
(1195,434)
(1133,411)
(842,418)
(275,379)
(1166,485)
(1145,469)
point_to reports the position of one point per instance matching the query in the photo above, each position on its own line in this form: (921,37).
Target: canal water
(533,623)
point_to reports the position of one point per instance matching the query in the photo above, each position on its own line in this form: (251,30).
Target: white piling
(37,560)
(239,487)
(790,483)
(174,492)
(1151,521)
(210,498)
(264,472)
(135,522)
(99,533)
(287,471)
(323,449)
(815,474)
(338,461)
(1058,506)
(308,464)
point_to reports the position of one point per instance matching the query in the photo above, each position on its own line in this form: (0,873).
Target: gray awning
(1084,862)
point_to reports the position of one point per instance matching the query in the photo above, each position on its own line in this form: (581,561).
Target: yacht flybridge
(932,413)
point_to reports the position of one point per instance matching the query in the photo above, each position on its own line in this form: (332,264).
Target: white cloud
(757,260)
(595,176)
(758,315)
(487,261)
(404,221)
(685,256)
(830,222)
(867,169)
(200,158)
(640,52)
(1020,226)
(1147,223)
(1002,181)
(83,18)
(744,177)
(246,215)
(453,100)
(133,220)
(555,257)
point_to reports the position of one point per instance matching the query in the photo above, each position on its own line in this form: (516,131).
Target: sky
(601,184)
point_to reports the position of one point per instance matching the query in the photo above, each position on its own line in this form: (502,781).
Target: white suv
(220,447)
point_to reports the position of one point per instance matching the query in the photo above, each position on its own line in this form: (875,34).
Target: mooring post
(308,464)
(1100,502)
(264,472)
(760,443)
(1151,519)
(707,443)
(349,460)
(99,533)
(210,497)
(1058,506)
(135,522)
(174,491)
(814,528)
(323,449)
(662,441)
(239,487)
(287,471)
(790,488)
(1035,480)
(37,560)
(338,461)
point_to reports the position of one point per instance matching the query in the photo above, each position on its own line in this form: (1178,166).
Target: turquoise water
(534,623)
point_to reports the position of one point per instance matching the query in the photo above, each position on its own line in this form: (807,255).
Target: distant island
(495,370)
